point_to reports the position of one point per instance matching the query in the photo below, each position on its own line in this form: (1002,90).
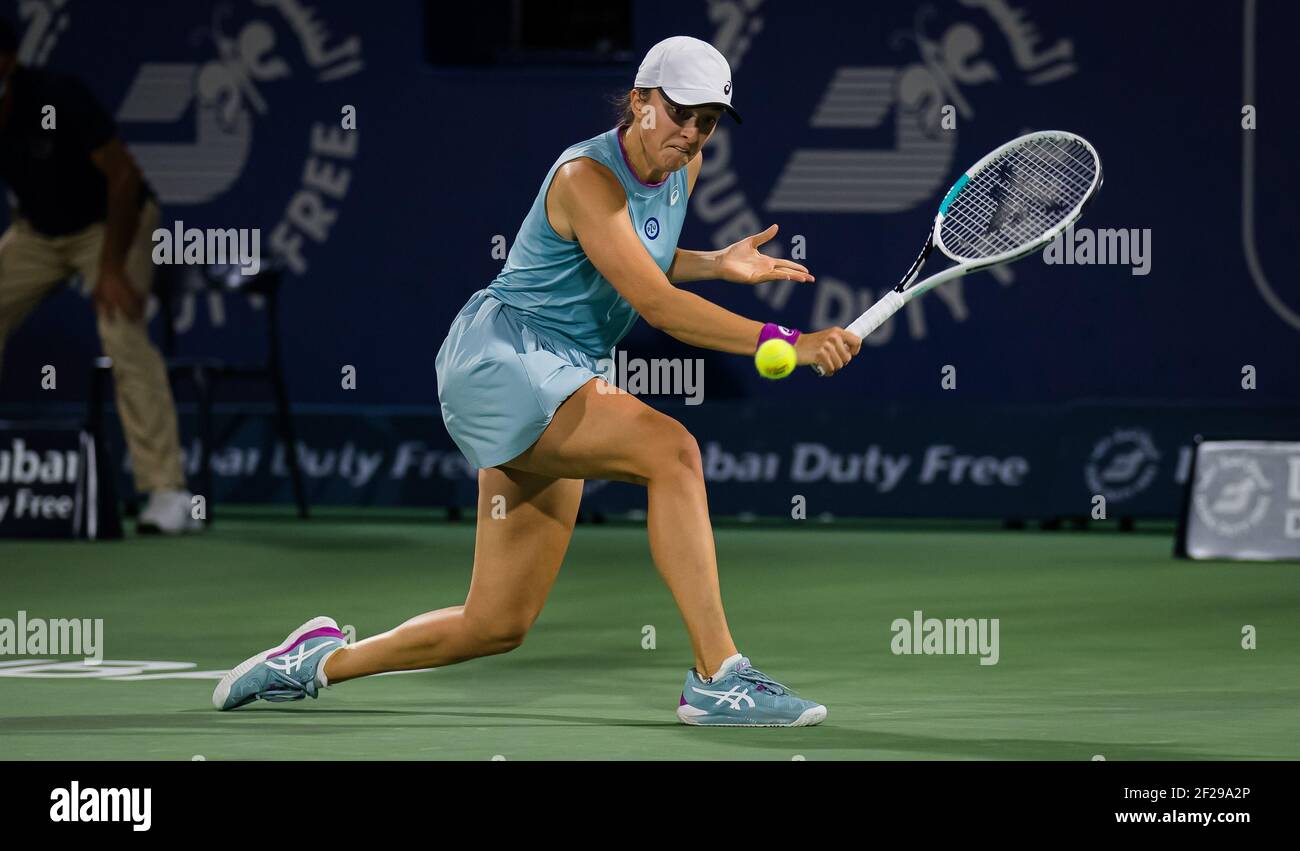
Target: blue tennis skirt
(500,382)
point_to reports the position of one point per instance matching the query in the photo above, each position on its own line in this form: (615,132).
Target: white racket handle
(888,305)
(875,316)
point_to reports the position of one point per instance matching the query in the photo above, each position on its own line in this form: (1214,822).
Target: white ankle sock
(322,680)
(727,664)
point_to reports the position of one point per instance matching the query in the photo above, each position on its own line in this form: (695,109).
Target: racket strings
(1015,203)
(1017,197)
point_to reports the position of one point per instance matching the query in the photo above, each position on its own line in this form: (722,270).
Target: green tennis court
(1107,646)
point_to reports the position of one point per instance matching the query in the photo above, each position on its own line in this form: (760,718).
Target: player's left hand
(743,263)
(113,293)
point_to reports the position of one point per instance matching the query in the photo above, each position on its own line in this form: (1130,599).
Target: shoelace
(753,675)
(293,689)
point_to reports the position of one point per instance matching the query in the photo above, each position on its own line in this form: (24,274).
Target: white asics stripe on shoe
(731,697)
(302,654)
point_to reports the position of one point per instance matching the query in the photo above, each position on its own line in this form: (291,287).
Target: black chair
(204,373)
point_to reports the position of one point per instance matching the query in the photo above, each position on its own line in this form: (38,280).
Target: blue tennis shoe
(286,672)
(740,695)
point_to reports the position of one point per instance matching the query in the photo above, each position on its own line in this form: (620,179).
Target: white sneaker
(168,513)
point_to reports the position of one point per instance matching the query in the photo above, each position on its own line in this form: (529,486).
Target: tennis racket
(1011,203)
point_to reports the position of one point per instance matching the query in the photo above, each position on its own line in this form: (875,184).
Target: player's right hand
(831,350)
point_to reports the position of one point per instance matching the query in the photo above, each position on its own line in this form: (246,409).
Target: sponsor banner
(773,459)
(1243,501)
(770,458)
(378,456)
(309,123)
(1137,456)
(52,483)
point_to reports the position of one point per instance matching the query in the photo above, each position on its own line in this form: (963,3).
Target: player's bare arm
(593,206)
(739,263)
(585,202)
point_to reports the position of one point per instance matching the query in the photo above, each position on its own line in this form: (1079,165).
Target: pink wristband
(772,331)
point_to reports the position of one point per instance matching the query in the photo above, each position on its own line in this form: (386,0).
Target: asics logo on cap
(726,88)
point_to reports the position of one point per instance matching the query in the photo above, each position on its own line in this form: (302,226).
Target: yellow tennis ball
(775,359)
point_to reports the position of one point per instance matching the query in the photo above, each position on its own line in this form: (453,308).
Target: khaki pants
(31,264)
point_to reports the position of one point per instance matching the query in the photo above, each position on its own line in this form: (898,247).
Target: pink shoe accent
(325,631)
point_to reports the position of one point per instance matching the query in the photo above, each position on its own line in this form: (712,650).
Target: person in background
(82,206)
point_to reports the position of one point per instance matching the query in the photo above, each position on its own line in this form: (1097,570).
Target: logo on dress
(652,227)
(672,199)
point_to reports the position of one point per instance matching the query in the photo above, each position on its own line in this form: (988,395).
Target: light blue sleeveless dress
(525,343)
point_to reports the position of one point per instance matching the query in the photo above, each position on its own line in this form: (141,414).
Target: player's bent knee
(676,453)
(688,456)
(504,643)
(501,641)
(499,635)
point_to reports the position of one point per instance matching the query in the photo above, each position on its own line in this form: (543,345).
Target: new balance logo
(293,660)
(732,698)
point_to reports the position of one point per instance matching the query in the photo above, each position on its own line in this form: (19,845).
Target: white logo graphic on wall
(940,63)
(1122,464)
(211,97)
(1232,494)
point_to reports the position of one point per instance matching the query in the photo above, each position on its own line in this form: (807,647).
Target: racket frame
(906,289)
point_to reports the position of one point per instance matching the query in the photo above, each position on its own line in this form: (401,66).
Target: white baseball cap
(690,72)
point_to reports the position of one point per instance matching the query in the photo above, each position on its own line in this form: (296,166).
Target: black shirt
(58,187)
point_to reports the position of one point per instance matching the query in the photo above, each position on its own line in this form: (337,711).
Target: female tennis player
(521,396)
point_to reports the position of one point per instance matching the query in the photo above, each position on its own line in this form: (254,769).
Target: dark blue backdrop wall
(233,109)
